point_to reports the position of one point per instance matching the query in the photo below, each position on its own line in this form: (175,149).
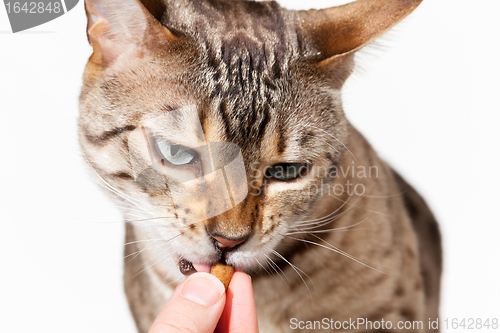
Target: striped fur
(256,79)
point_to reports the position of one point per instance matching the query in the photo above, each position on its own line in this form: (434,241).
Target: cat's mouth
(187,267)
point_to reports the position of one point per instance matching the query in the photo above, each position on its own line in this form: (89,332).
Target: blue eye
(286,171)
(174,154)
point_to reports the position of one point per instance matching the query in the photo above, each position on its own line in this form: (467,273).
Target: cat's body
(267,80)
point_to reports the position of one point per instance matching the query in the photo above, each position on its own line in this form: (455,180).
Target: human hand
(200,305)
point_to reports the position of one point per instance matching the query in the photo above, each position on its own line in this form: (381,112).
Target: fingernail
(203,288)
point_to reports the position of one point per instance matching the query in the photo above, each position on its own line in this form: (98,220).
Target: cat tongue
(202,267)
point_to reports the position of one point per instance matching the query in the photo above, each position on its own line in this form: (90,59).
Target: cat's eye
(174,154)
(286,171)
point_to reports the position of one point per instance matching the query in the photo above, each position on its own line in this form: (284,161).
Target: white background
(428,100)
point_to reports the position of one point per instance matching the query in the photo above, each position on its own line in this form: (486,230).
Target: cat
(218,128)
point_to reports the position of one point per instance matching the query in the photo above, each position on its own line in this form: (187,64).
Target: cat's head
(211,120)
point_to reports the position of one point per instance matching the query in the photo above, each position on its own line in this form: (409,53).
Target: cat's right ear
(118,27)
(342,30)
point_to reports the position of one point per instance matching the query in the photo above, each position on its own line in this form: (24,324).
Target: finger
(195,306)
(239,315)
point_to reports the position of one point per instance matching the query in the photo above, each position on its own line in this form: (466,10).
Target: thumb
(195,306)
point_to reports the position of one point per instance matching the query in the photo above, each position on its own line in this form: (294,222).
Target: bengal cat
(218,128)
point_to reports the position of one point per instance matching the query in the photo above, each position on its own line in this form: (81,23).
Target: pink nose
(224,242)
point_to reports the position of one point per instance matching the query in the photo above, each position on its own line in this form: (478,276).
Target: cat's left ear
(116,27)
(342,30)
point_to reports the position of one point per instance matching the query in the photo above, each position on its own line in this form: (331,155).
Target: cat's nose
(227,243)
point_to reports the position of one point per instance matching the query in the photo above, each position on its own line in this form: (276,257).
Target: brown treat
(186,267)
(223,272)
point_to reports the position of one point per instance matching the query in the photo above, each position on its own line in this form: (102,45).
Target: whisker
(262,266)
(338,209)
(137,253)
(325,221)
(142,241)
(110,187)
(115,191)
(159,254)
(275,267)
(336,250)
(308,230)
(335,139)
(296,269)
(154,241)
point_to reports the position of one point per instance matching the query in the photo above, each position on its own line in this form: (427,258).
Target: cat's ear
(344,29)
(116,27)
